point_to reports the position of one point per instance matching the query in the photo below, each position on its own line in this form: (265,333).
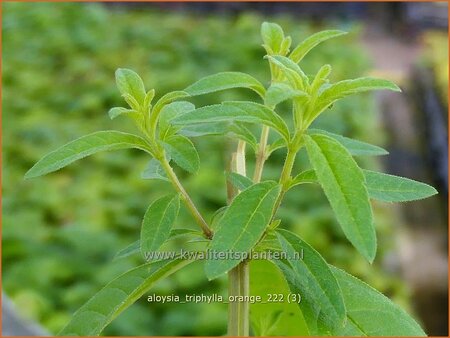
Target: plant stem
(187,200)
(238,277)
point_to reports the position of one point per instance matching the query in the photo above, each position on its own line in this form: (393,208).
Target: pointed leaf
(204,129)
(183,152)
(273,36)
(355,147)
(129,82)
(291,70)
(157,223)
(118,295)
(309,43)
(154,171)
(345,88)
(241,132)
(241,226)
(322,302)
(85,146)
(225,80)
(169,112)
(390,188)
(307,176)
(117,111)
(344,185)
(281,318)
(238,181)
(279,92)
(235,111)
(370,313)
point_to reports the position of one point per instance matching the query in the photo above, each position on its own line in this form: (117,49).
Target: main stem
(238,277)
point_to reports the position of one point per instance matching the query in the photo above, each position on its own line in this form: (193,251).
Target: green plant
(332,302)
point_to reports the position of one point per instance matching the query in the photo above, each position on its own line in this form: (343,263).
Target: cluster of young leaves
(333,302)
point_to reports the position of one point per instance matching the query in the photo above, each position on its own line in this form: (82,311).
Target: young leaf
(390,188)
(154,171)
(183,152)
(117,111)
(322,302)
(235,111)
(169,112)
(370,313)
(291,70)
(309,43)
(307,176)
(238,181)
(279,92)
(85,146)
(130,83)
(280,318)
(117,296)
(280,143)
(273,36)
(345,88)
(161,103)
(355,147)
(158,220)
(241,226)
(344,185)
(225,80)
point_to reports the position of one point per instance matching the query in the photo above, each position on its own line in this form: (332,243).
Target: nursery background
(60,233)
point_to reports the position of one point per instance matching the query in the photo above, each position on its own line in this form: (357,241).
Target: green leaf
(370,313)
(279,92)
(241,226)
(322,301)
(117,111)
(130,83)
(238,130)
(183,152)
(390,188)
(280,143)
(355,147)
(204,129)
(235,111)
(238,181)
(161,103)
(307,176)
(273,36)
(225,80)
(154,171)
(309,43)
(169,112)
(344,185)
(345,88)
(85,146)
(279,318)
(118,295)
(291,70)
(158,220)
(135,247)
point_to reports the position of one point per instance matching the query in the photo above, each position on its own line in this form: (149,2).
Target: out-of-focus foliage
(436,57)
(61,232)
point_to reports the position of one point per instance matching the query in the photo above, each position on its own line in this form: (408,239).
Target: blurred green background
(61,232)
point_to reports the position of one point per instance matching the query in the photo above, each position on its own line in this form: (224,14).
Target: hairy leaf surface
(83,147)
(309,43)
(238,181)
(118,295)
(225,80)
(241,226)
(322,301)
(370,313)
(129,82)
(235,111)
(183,152)
(158,221)
(344,185)
(355,147)
(390,188)
(279,92)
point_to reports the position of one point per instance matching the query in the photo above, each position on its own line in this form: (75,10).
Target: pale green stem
(261,154)
(238,277)
(185,197)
